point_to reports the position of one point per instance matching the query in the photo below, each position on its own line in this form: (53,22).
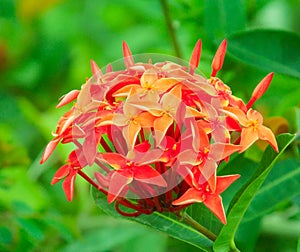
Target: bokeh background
(45,51)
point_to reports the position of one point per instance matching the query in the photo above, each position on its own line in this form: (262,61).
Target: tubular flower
(156,133)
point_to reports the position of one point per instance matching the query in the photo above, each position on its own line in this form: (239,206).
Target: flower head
(156,133)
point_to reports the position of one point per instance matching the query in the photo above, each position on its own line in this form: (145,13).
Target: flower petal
(248,137)
(68,184)
(60,174)
(142,147)
(148,175)
(188,157)
(163,84)
(148,78)
(49,149)
(265,133)
(254,115)
(172,99)
(115,160)
(148,157)
(145,119)
(126,90)
(223,182)
(190,196)
(131,132)
(102,180)
(236,114)
(220,151)
(208,174)
(118,182)
(67,98)
(161,125)
(90,147)
(214,203)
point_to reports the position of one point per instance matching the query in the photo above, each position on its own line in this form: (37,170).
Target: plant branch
(189,220)
(170,27)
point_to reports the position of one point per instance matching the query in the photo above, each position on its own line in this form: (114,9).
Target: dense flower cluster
(154,134)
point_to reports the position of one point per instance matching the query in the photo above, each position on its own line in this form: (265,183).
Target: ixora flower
(154,133)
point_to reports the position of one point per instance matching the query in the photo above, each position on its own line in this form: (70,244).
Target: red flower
(156,133)
(204,194)
(68,172)
(127,171)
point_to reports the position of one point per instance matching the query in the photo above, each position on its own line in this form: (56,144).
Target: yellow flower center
(253,124)
(148,86)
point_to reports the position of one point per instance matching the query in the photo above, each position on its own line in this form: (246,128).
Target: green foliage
(45,48)
(269,50)
(219,21)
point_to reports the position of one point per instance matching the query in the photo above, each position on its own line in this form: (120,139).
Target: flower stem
(189,220)
(88,179)
(170,27)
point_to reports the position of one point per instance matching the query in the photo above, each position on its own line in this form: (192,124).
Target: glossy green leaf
(111,236)
(240,203)
(154,241)
(270,50)
(281,184)
(5,236)
(219,22)
(166,223)
(32,227)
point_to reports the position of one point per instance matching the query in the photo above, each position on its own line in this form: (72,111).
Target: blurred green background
(45,50)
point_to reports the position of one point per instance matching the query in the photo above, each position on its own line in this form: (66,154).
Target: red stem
(177,133)
(142,135)
(89,180)
(157,204)
(102,166)
(134,214)
(105,145)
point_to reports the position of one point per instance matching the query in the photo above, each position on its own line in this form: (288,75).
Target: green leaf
(166,223)
(269,50)
(219,20)
(32,227)
(153,241)
(241,201)
(7,9)
(28,194)
(281,184)
(5,236)
(106,238)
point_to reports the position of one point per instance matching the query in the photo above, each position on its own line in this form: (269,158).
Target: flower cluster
(154,134)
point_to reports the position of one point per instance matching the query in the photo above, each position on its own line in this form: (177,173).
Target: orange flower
(252,127)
